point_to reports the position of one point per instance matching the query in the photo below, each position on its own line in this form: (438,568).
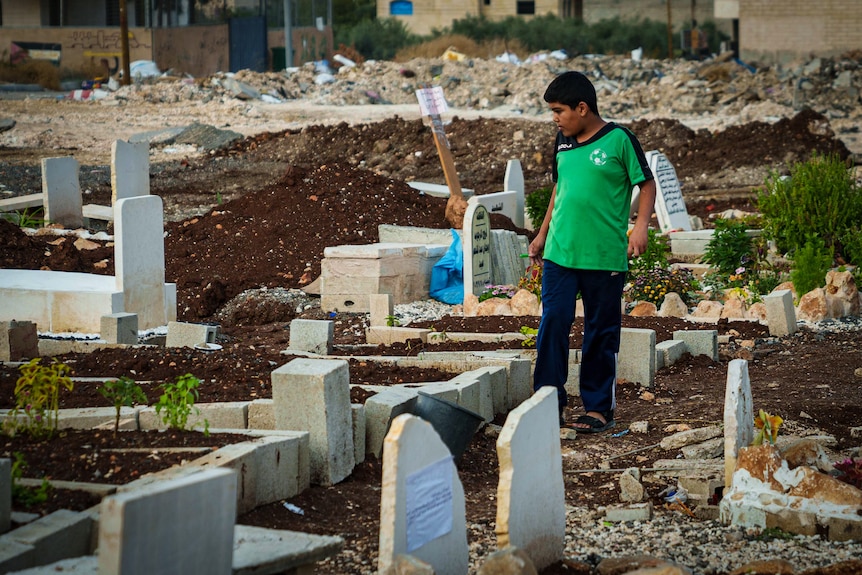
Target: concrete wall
(20,13)
(784,31)
(195,50)
(82,47)
(428,14)
(309,43)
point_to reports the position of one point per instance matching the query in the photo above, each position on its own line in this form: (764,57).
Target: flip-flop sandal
(594,424)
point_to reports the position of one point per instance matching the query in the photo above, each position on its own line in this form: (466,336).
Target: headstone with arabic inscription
(669,203)
(477,247)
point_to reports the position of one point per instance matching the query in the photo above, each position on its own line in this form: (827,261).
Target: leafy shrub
(178,402)
(37,397)
(536,203)
(655,255)
(377,39)
(820,197)
(654,283)
(810,264)
(532,281)
(729,248)
(122,392)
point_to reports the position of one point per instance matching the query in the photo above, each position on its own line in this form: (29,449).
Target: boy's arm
(639,236)
(537,246)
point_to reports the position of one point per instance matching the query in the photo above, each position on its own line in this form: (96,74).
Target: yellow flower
(768,427)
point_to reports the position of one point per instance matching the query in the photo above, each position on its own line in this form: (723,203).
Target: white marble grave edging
(531,496)
(61,192)
(422,507)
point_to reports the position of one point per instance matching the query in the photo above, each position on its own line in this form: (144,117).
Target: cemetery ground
(246,229)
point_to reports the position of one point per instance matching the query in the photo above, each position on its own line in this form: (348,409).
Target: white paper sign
(429,503)
(669,204)
(431,101)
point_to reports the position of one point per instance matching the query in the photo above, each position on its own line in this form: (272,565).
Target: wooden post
(124,43)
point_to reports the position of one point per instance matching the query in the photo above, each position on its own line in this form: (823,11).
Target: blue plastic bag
(447,275)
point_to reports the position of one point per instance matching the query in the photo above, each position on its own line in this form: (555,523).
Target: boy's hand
(637,241)
(537,246)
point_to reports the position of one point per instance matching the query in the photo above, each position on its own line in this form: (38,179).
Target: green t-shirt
(594,179)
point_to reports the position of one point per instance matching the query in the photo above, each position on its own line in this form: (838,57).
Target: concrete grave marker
(140,259)
(477,247)
(513,181)
(313,395)
(182,525)
(422,507)
(738,416)
(61,192)
(531,496)
(503,203)
(130,170)
(669,203)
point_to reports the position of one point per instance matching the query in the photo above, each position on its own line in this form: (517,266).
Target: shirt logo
(598,157)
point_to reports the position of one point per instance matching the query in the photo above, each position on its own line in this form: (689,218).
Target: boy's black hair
(572,88)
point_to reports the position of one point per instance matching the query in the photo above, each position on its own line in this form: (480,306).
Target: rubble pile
(721,90)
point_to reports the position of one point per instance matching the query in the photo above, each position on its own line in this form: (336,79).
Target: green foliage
(820,197)
(37,398)
(537,203)
(810,264)
(26,219)
(392,321)
(123,392)
(27,496)
(530,333)
(772,533)
(730,247)
(377,39)
(851,240)
(178,401)
(655,255)
(654,283)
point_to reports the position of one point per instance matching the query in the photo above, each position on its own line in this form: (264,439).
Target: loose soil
(259,216)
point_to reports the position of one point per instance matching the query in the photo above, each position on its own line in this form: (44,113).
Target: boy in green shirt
(584,245)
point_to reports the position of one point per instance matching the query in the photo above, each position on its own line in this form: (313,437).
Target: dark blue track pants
(601,292)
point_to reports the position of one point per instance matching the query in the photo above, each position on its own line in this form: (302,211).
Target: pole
(288,36)
(124,43)
(669,32)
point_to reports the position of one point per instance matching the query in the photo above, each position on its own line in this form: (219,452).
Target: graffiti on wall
(102,40)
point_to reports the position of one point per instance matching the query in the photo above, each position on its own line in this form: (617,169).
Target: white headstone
(738,416)
(513,181)
(503,203)
(313,395)
(669,203)
(531,496)
(422,507)
(477,247)
(130,170)
(139,258)
(61,192)
(180,525)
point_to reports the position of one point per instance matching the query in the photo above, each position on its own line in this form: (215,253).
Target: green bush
(820,197)
(810,264)
(730,247)
(655,283)
(377,39)
(656,254)
(537,203)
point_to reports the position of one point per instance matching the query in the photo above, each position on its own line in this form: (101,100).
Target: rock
(765,567)
(757,310)
(807,452)
(631,490)
(841,287)
(708,309)
(689,437)
(408,565)
(673,306)
(734,308)
(525,302)
(508,561)
(643,309)
(812,306)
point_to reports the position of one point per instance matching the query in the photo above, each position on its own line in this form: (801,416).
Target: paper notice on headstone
(669,204)
(431,101)
(429,503)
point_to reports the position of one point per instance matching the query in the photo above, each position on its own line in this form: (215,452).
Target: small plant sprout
(27,496)
(122,392)
(767,426)
(37,397)
(392,321)
(178,401)
(530,333)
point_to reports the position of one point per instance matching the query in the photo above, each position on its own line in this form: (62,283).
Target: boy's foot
(593,422)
